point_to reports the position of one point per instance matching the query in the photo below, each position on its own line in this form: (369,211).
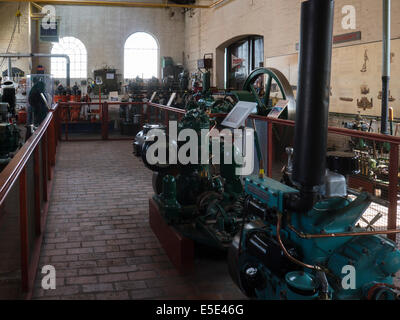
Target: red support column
(142,115)
(36,183)
(104,121)
(166,119)
(269,148)
(66,122)
(148,113)
(393,182)
(57,116)
(24,231)
(49,140)
(52,142)
(44,165)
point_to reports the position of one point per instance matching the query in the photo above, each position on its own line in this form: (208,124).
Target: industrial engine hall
(221,151)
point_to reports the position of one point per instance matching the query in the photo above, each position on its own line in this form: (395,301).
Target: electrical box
(205,63)
(108,83)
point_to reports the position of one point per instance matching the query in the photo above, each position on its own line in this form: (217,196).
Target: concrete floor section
(98,236)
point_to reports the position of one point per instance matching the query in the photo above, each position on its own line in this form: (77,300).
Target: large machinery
(9,132)
(294,239)
(305,243)
(202,202)
(9,142)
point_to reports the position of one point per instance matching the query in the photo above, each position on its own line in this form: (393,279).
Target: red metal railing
(393,160)
(64,119)
(39,149)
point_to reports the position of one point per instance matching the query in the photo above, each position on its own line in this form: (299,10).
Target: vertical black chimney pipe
(313,94)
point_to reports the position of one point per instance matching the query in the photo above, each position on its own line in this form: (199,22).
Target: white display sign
(278,109)
(171,99)
(238,115)
(152,96)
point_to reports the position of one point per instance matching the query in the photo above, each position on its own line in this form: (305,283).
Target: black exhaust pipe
(313,97)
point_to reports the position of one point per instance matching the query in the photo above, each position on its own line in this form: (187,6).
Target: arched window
(140,56)
(76,51)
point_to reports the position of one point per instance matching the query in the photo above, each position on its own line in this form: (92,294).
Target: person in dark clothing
(39,106)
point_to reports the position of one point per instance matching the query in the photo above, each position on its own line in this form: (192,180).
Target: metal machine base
(179,249)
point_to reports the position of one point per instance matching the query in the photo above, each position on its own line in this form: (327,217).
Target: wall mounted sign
(110,76)
(347,37)
(99,80)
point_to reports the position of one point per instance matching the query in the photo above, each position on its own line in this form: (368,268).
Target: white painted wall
(103,30)
(21,40)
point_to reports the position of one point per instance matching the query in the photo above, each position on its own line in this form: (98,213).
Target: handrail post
(142,115)
(104,121)
(44,164)
(23,211)
(393,182)
(67,106)
(58,121)
(52,141)
(166,119)
(148,113)
(269,148)
(49,142)
(36,186)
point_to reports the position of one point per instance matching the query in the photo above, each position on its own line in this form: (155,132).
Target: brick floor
(98,236)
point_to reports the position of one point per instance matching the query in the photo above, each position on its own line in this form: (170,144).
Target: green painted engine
(200,199)
(9,142)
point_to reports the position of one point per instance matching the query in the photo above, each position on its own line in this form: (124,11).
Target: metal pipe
(217,3)
(37,6)
(393,182)
(340,234)
(54,55)
(385,66)
(9,68)
(287,254)
(124,4)
(46,55)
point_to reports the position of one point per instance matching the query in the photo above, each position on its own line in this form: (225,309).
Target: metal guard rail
(46,137)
